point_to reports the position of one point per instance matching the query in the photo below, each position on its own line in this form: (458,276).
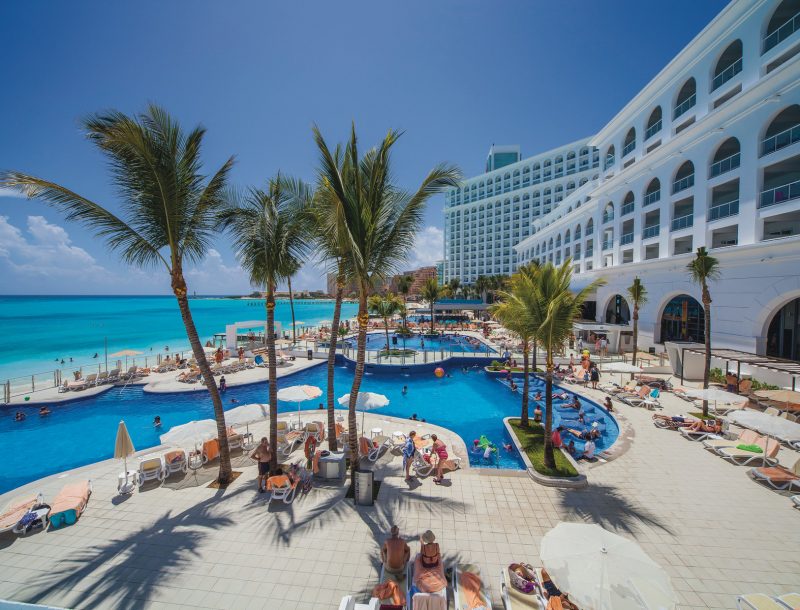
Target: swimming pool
(469,403)
(458,344)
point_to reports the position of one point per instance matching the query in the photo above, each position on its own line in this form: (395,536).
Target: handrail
(651,198)
(684,106)
(723,210)
(780,140)
(683,184)
(727,74)
(651,231)
(653,129)
(779,194)
(773,39)
(682,222)
(725,165)
(626,239)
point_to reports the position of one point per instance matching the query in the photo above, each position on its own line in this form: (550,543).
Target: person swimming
(20,416)
(405,390)
(157,421)
(508,447)
(43,410)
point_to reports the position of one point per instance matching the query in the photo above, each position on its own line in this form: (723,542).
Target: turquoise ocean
(39,331)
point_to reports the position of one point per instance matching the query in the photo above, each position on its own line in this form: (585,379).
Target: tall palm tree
(482,285)
(703,269)
(454,285)
(531,269)
(292,272)
(638,294)
(168,210)
(555,307)
(269,232)
(385,306)
(380,221)
(514,310)
(431,291)
(404,283)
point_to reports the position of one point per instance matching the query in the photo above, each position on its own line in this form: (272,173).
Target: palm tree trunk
(535,348)
(291,306)
(635,332)
(386,329)
(337,312)
(523,420)
(179,289)
(707,367)
(273,380)
(432,303)
(549,458)
(352,422)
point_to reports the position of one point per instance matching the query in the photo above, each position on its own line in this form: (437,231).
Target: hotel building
(706,154)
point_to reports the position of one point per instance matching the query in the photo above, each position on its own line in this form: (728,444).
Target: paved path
(713,529)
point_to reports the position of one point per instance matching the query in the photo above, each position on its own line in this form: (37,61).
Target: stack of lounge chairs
(69,504)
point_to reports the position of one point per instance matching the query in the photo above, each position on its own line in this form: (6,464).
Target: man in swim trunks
(395,553)
(263,455)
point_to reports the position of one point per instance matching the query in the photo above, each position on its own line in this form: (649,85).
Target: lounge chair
(70,503)
(640,395)
(399,579)
(469,588)
(210,450)
(796,500)
(101,378)
(130,374)
(349,603)
(151,469)
(15,510)
(175,461)
(281,488)
(288,440)
(515,599)
(778,477)
(742,457)
(315,429)
(64,387)
(113,376)
(746,437)
(421,466)
(790,600)
(374,448)
(649,401)
(758,601)
(432,601)
(700,435)
(235,441)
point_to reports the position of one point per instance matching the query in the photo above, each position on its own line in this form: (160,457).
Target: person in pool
(414,417)
(20,416)
(405,390)
(609,407)
(157,421)
(43,410)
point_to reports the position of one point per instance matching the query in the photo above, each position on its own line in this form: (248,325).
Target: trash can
(310,354)
(332,466)
(363,487)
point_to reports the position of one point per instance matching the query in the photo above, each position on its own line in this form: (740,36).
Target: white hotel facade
(707,154)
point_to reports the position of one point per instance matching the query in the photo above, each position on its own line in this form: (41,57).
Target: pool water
(78,433)
(448,343)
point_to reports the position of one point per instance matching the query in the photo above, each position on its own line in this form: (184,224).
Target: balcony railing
(684,106)
(651,231)
(682,222)
(652,130)
(626,239)
(589,230)
(727,74)
(608,244)
(609,162)
(608,217)
(652,197)
(683,184)
(725,165)
(627,208)
(782,33)
(723,210)
(779,194)
(589,253)
(780,140)
(628,148)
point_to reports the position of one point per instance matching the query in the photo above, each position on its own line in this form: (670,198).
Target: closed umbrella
(716,395)
(366,401)
(603,571)
(123,447)
(299,394)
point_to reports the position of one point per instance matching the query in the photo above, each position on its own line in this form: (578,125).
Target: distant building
(350,289)
(440,271)
(420,276)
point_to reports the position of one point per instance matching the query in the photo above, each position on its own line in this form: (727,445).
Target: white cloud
(428,248)
(213,276)
(4,192)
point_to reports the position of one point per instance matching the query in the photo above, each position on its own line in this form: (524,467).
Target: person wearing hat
(429,550)
(395,553)
(429,574)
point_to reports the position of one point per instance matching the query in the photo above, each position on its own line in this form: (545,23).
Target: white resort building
(707,154)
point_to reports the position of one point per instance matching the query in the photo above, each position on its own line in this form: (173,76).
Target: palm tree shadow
(608,508)
(124,571)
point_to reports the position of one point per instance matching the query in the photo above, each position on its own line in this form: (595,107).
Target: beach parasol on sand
(126,353)
(123,447)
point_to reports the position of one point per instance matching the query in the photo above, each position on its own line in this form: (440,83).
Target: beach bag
(523,577)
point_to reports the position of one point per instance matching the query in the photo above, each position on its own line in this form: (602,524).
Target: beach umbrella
(299,394)
(123,447)
(126,353)
(366,401)
(246,415)
(785,396)
(603,571)
(766,424)
(716,395)
(621,367)
(192,432)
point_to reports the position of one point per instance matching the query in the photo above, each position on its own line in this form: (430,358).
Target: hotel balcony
(683,183)
(723,210)
(682,222)
(626,239)
(651,231)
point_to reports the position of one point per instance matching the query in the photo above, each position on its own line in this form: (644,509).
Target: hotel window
(687,97)
(784,22)
(630,142)
(609,160)
(653,123)
(727,158)
(783,131)
(728,65)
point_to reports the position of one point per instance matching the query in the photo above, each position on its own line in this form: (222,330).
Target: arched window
(578,232)
(687,97)
(550,244)
(627,204)
(726,158)
(653,123)
(583,181)
(683,320)
(653,192)
(558,241)
(729,64)
(783,131)
(617,310)
(630,142)
(609,159)
(783,336)
(783,23)
(684,177)
(590,227)
(608,213)
(567,237)
(570,187)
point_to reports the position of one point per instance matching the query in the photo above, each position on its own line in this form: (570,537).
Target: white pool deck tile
(715,531)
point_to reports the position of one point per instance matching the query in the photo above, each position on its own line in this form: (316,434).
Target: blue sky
(456,75)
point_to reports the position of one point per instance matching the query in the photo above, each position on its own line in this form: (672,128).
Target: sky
(455,75)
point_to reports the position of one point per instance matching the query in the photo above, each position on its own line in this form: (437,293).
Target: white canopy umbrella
(603,571)
(299,394)
(192,432)
(716,395)
(621,368)
(766,424)
(123,447)
(246,415)
(366,401)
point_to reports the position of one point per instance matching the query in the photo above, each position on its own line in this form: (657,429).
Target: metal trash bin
(332,466)
(310,354)
(363,487)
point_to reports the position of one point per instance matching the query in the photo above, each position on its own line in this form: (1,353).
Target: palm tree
(482,285)
(292,272)
(703,269)
(404,283)
(638,294)
(385,306)
(515,311)
(269,231)
(168,211)
(554,309)
(454,285)
(380,221)
(431,291)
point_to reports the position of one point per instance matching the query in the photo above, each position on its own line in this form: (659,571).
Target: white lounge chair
(283,492)
(349,603)
(778,477)
(420,466)
(459,598)
(151,469)
(175,461)
(429,603)
(742,457)
(378,445)
(288,440)
(514,599)
(758,601)
(101,378)
(113,376)
(790,600)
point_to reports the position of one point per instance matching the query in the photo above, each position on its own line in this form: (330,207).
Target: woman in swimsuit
(440,449)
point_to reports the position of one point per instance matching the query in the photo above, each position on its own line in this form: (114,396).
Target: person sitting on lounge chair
(278,480)
(395,553)
(701,426)
(428,566)
(551,590)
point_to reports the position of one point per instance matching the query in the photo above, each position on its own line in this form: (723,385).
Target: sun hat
(428,537)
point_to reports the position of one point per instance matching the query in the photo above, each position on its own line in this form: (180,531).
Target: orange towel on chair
(471,586)
(390,590)
(279,481)
(211,449)
(315,461)
(364,445)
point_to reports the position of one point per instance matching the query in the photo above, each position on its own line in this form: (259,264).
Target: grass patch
(532,441)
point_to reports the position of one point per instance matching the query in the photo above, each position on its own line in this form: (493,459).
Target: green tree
(381,221)
(404,287)
(385,306)
(168,210)
(555,308)
(431,291)
(482,285)
(454,285)
(704,269)
(515,310)
(269,230)
(638,294)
